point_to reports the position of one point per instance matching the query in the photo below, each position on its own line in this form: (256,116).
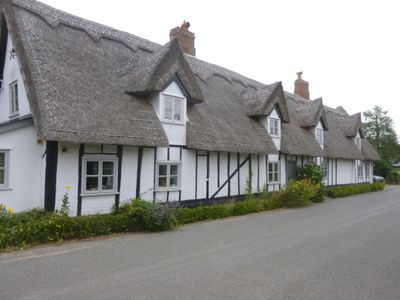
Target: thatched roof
(261,102)
(88,83)
(298,139)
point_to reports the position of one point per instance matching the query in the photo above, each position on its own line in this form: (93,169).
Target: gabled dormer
(352,129)
(171,107)
(13,99)
(268,105)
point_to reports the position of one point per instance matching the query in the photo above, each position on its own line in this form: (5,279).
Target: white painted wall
(12,73)
(26,169)
(345,171)
(176,133)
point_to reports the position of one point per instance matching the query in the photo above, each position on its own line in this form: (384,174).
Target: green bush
(36,227)
(349,190)
(382,168)
(299,193)
(393,177)
(311,172)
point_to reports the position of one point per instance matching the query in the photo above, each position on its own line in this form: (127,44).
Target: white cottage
(118,117)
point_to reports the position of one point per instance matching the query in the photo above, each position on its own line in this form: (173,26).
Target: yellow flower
(68,187)
(9,210)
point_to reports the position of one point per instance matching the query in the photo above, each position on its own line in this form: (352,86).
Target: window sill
(14,115)
(172,122)
(168,190)
(94,194)
(5,189)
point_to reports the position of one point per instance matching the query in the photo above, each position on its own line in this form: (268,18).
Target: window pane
(2,181)
(2,159)
(276,177)
(162,182)
(270,167)
(108,183)
(92,183)
(270,177)
(275,167)
(174,169)
(173,181)
(177,109)
(108,168)
(162,170)
(168,108)
(92,168)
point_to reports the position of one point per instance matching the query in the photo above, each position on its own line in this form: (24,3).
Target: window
(4,169)
(358,142)
(367,171)
(14,108)
(173,109)
(360,172)
(99,175)
(274,127)
(273,172)
(319,135)
(168,176)
(325,167)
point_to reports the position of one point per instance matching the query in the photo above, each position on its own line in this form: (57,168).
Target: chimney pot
(184,37)
(301,87)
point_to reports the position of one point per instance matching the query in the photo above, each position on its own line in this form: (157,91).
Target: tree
(378,128)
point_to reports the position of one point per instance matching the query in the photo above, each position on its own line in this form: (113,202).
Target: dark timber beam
(51,175)
(231,176)
(139,172)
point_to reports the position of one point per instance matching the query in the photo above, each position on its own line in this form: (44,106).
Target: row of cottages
(116,117)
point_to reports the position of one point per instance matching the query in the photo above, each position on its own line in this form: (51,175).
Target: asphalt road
(342,249)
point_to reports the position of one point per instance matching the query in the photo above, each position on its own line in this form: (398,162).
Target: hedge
(349,190)
(24,229)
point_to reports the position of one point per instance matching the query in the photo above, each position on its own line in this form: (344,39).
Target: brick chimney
(185,37)
(301,87)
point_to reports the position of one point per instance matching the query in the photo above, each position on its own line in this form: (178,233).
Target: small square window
(14,105)
(273,172)
(173,109)
(274,127)
(319,135)
(4,168)
(169,176)
(99,175)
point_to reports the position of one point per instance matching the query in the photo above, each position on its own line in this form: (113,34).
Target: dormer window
(319,135)
(358,142)
(173,109)
(273,127)
(14,106)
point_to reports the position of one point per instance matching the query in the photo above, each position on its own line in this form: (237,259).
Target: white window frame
(6,185)
(168,176)
(183,112)
(360,176)
(367,167)
(100,159)
(319,135)
(274,172)
(273,130)
(325,167)
(14,103)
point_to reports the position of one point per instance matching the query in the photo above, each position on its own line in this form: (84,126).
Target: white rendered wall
(12,73)
(345,171)
(26,169)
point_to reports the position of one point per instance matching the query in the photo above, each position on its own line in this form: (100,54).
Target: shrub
(382,168)
(348,190)
(311,172)
(299,193)
(393,178)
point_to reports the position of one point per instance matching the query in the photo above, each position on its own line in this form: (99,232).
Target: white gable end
(173,116)
(271,121)
(12,75)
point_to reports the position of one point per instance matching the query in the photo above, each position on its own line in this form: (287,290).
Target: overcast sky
(349,51)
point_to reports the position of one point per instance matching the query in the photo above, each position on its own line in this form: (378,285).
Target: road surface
(342,249)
